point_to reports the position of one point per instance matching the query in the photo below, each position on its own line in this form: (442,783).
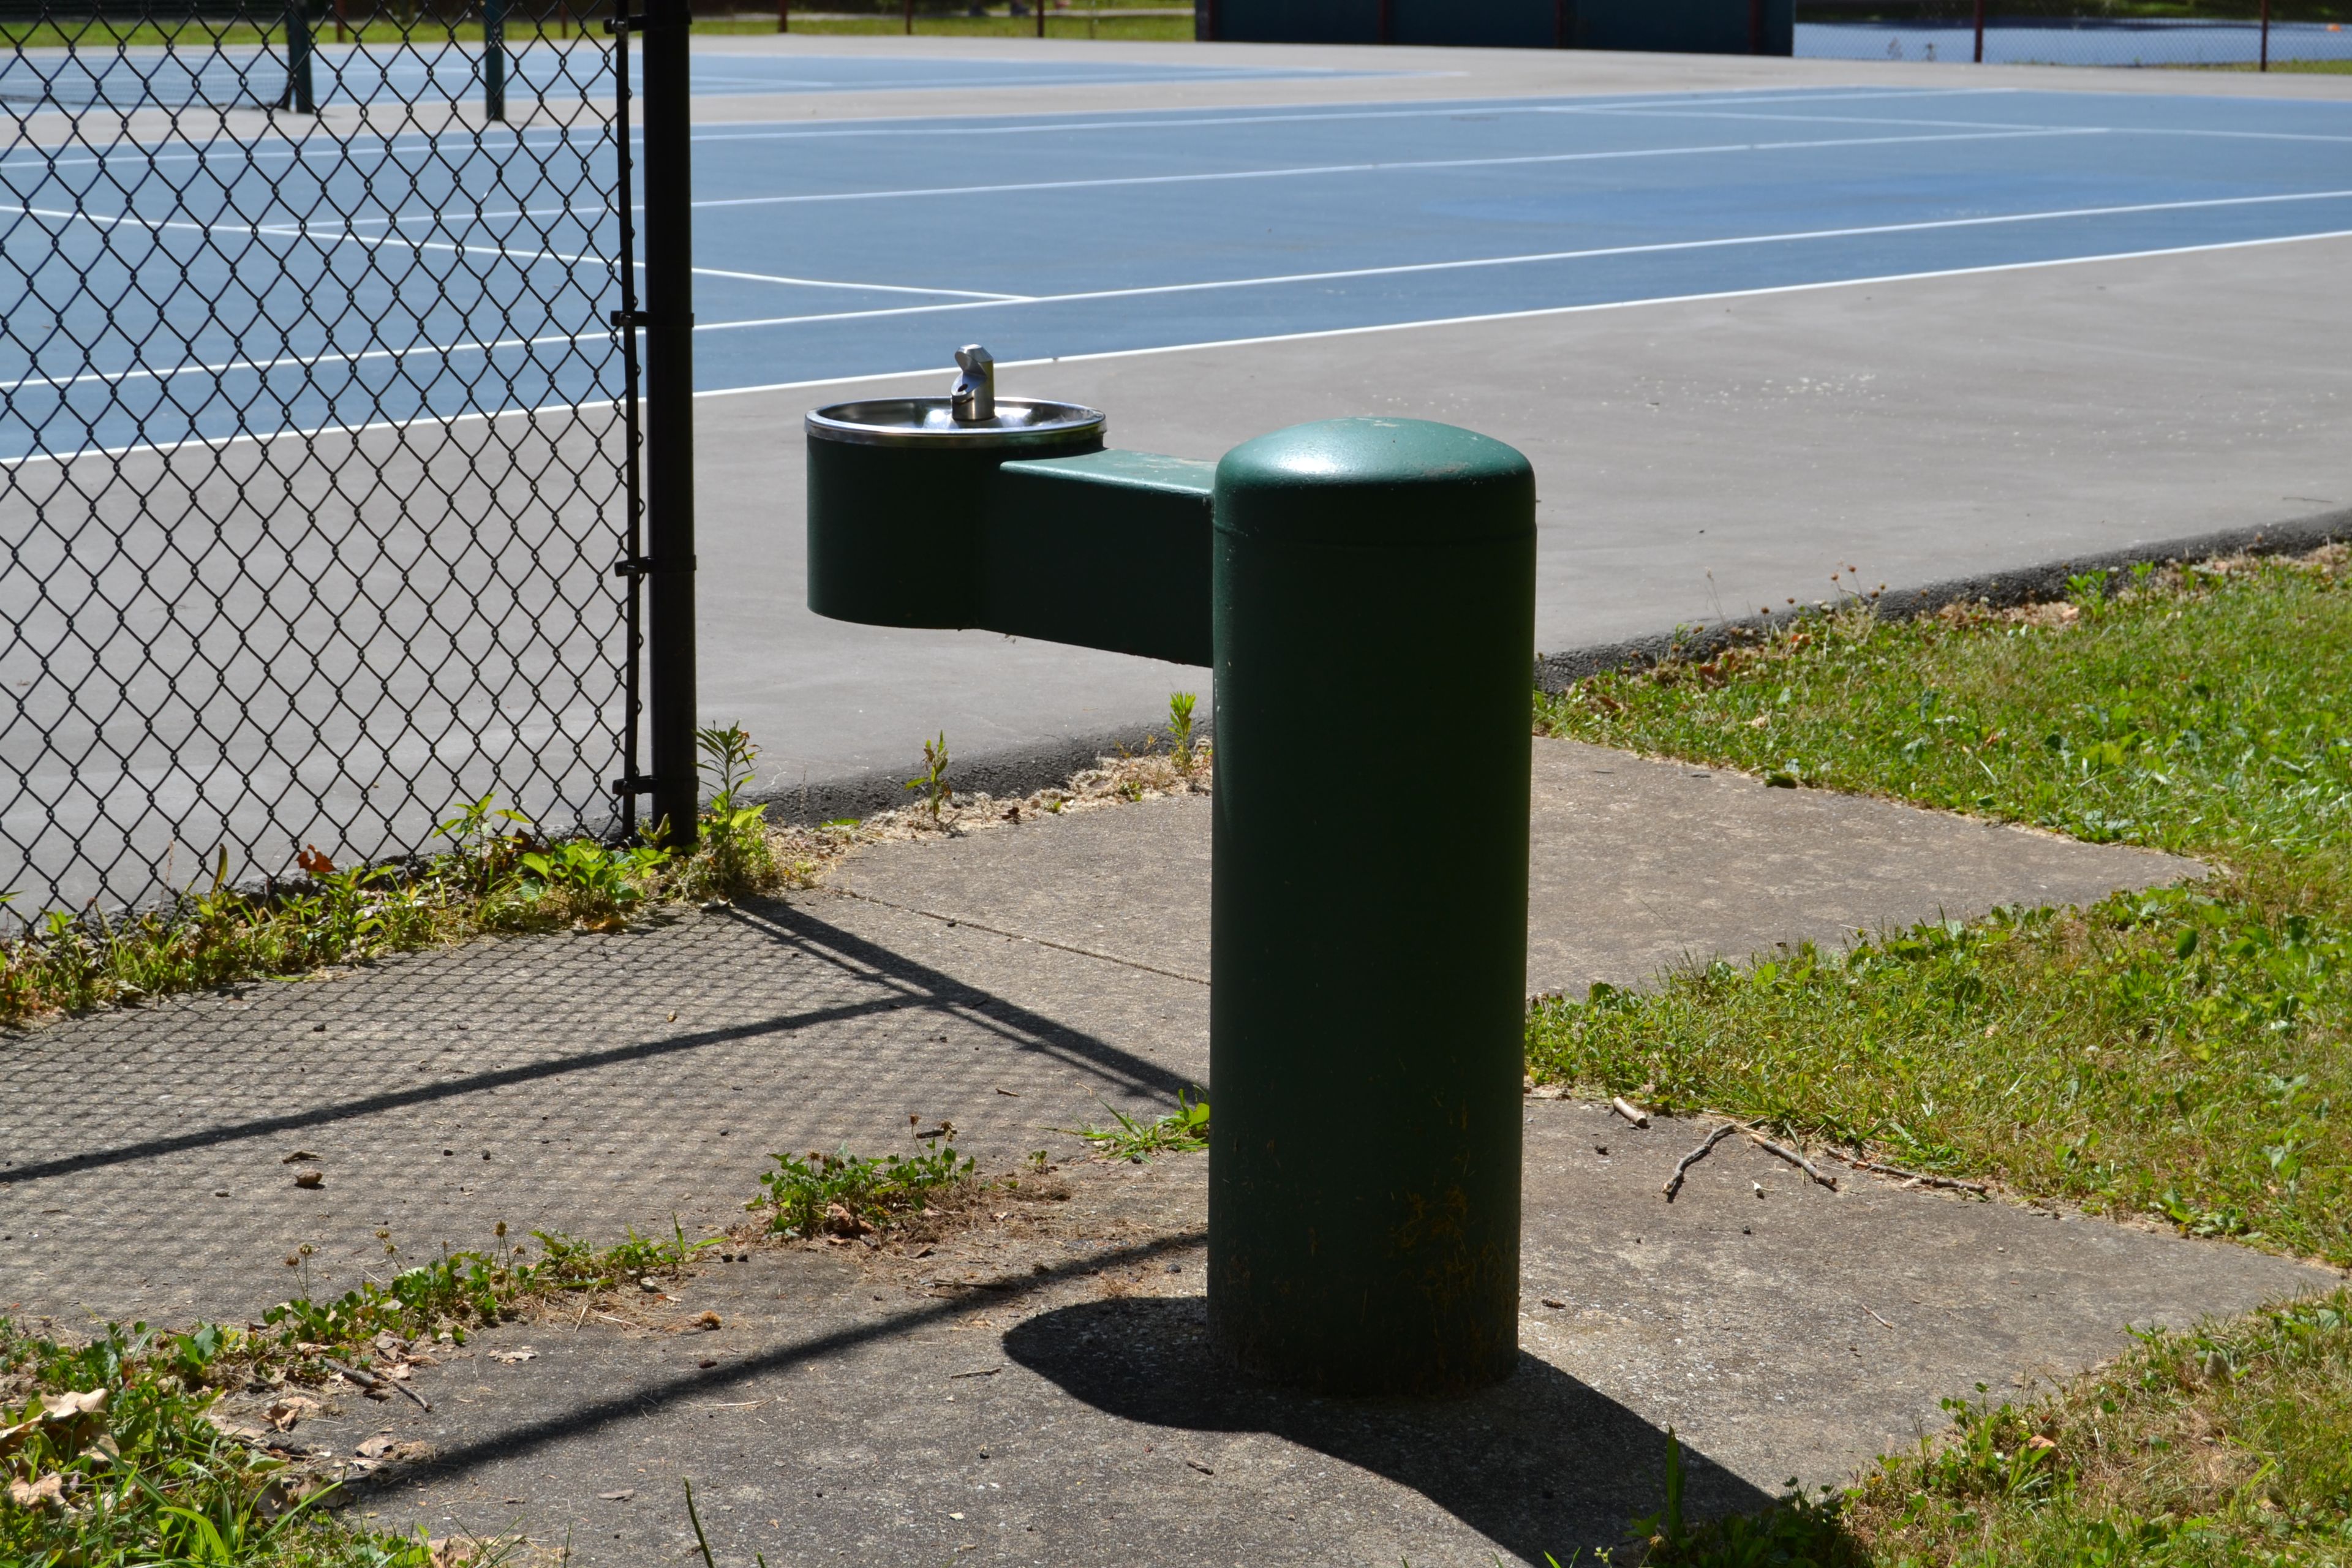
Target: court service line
(962,126)
(1404,269)
(1179,119)
(1284,172)
(1397,166)
(542,136)
(1654,249)
(1590,307)
(347,235)
(498,251)
(1657,248)
(308,433)
(858,287)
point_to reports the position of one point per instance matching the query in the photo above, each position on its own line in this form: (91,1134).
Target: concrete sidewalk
(1014,981)
(1035,1389)
(1636,865)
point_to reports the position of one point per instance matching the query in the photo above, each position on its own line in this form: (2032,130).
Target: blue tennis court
(841,248)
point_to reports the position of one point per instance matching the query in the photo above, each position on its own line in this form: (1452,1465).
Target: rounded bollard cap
(1375,482)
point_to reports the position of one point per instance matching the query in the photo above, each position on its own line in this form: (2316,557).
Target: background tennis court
(840,248)
(433,307)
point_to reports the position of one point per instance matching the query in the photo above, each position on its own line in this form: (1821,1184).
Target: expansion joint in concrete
(1023,936)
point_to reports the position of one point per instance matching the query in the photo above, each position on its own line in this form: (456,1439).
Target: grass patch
(112,1459)
(2306,67)
(1183,1131)
(112,1450)
(2181,1052)
(494,872)
(848,1194)
(2228,1445)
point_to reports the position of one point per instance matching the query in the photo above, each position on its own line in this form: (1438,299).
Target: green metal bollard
(1365,589)
(1374,592)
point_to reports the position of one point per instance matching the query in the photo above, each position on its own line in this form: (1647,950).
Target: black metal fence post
(299,95)
(669,416)
(494,60)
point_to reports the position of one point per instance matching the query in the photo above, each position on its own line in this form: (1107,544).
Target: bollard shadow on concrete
(1540,1463)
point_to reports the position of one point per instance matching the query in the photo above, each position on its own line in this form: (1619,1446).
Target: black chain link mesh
(317,437)
(2187,33)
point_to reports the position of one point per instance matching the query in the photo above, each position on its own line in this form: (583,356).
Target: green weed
(733,856)
(933,780)
(847,1194)
(1179,727)
(1183,1131)
(1798,1532)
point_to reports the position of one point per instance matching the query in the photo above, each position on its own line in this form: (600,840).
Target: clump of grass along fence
(492,870)
(110,1452)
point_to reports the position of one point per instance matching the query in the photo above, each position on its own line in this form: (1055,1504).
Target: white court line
(1878,280)
(859,288)
(1279,280)
(1298,170)
(1284,172)
(1654,249)
(1398,166)
(346,235)
(927,125)
(291,361)
(310,433)
(833,130)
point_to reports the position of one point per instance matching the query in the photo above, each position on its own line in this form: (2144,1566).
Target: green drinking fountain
(1364,590)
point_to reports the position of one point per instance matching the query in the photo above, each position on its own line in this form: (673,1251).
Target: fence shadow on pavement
(866,979)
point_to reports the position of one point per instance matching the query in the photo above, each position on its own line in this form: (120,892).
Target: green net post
(494,60)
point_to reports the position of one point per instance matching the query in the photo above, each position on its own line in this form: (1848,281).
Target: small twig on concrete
(1782,1152)
(1953,1182)
(370,1380)
(1674,1182)
(1867,1308)
(1629,1111)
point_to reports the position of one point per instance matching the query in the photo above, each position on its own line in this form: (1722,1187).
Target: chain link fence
(318,434)
(2219,34)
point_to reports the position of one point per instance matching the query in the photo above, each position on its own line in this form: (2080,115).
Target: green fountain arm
(1110,550)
